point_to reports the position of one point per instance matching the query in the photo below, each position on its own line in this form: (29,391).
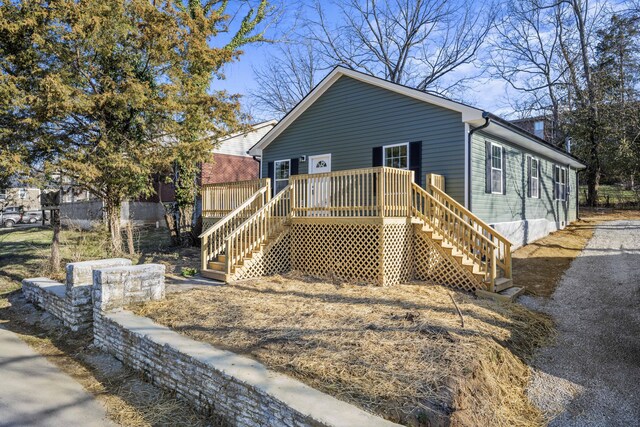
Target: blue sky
(489,94)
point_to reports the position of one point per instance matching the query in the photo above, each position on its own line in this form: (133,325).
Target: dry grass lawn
(540,265)
(128,399)
(401,352)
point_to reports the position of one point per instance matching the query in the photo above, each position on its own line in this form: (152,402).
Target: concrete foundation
(521,233)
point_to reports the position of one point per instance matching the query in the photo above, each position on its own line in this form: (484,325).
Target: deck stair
(238,246)
(465,238)
(467,245)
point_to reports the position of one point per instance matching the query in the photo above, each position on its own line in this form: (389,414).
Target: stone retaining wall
(235,387)
(69,302)
(215,381)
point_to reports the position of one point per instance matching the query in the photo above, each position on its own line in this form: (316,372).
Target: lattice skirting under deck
(434,265)
(275,258)
(369,253)
(398,253)
(346,251)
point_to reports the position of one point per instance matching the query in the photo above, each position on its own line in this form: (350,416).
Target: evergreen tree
(110,92)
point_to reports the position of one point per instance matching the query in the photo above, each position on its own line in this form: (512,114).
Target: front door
(319,188)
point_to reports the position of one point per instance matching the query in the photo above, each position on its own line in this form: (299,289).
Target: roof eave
(468,113)
(530,142)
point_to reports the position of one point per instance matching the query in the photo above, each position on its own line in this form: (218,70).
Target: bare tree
(411,42)
(527,57)
(545,50)
(286,78)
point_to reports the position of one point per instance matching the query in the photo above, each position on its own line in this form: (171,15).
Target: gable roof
(470,115)
(239,143)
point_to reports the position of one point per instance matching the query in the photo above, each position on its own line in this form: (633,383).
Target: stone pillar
(81,273)
(116,287)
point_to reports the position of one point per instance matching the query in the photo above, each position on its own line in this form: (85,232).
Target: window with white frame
(535,178)
(560,182)
(281,174)
(3,196)
(396,156)
(538,128)
(497,169)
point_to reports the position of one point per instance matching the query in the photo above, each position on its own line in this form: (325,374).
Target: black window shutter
(487,174)
(504,170)
(377,157)
(555,185)
(415,160)
(528,176)
(295,166)
(271,175)
(539,178)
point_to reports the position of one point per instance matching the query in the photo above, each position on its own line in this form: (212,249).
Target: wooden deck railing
(257,229)
(456,231)
(214,239)
(352,193)
(220,199)
(503,251)
(435,180)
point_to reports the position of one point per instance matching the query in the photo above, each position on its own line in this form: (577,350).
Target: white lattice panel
(347,251)
(434,265)
(398,253)
(275,258)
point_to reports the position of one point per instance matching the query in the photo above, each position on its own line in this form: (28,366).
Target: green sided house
(522,186)
(374,182)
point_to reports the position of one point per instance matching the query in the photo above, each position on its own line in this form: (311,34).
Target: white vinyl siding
(497,169)
(396,156)
(281,174)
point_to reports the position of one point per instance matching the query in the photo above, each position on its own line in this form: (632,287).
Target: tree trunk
(593,172)
(186,225)
(172,224)
(113,219)
(54,261)
(130,246)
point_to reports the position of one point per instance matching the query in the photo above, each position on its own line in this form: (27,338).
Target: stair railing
(214,239)
(220,199)
(503,256)
(456,231)
(257,229)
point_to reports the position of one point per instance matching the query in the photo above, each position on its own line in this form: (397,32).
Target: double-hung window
(497,168)
(538,128)
(396,156)
(534,181)
(560,182)
(281,174)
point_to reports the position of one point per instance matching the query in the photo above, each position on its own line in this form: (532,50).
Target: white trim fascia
(468,113)
(529,144)
(254,128)
(467,164)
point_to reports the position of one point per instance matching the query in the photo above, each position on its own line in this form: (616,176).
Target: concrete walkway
(597,311)
(33,392)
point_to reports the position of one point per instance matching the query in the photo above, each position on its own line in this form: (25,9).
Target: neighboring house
(230,163)
(510,178)
(540,126)
(22,197)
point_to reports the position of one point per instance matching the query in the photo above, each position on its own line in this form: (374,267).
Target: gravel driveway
(591,375)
